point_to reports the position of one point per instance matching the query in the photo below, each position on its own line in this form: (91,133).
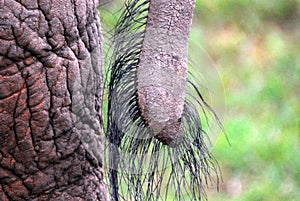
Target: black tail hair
(141,168)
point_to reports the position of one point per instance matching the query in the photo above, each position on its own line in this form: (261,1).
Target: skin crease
(50,101)
(162,71)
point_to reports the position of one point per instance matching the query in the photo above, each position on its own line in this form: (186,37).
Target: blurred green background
(255,47)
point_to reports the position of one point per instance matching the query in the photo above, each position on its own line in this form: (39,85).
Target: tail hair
(141,167)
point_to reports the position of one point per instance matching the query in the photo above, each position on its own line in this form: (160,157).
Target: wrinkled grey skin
(50,101)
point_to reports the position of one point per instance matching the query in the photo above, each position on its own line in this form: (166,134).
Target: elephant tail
(158,149)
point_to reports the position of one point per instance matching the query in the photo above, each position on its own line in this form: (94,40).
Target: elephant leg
(50,101)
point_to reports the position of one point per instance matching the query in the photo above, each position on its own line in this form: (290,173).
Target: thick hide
(50,101)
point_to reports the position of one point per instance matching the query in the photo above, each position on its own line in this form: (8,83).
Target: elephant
(52,136)
(51,85)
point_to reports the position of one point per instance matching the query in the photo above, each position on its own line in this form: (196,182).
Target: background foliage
(255,46)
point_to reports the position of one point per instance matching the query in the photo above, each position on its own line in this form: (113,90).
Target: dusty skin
(162,72)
